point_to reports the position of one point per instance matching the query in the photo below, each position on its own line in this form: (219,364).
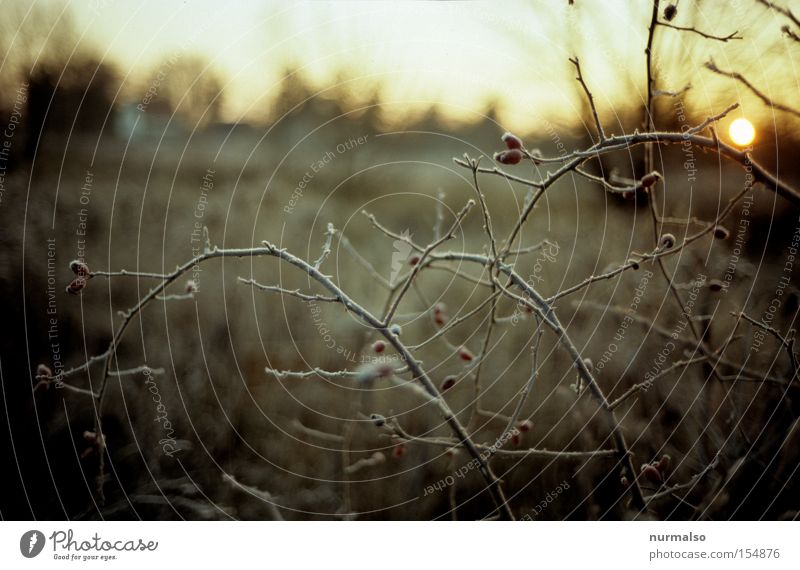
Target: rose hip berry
(649,180)
(652,474)
(448,383)
(512,141)
(525,426)
(79,268)
(43,371)
(511,156)
(667,241)
(465,354)
(76,286)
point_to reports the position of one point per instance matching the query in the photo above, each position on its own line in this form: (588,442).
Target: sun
(742,132)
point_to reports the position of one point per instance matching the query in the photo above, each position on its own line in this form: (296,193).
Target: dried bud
(384,370)
(511,156)
(399,450)
(652,474)
(516,438)
(715,285)
(378,458)
(667,241)
(465,354)
(439,316)
(589,364)
(90,436)
(43,371)
(452,452)
(371,372)
(378,420)
(721,232)
(76,286)
(634,264)
(670,12)
(378,346)
(413,260)
(191,286)
(79,268)
(649,180)
(624,481)
(664,463)
(512,141)
(396,330)
(525,426)
(448,383)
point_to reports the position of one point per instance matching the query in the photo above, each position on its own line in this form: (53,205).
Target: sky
(460,56)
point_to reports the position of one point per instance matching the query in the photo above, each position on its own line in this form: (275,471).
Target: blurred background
(129,126)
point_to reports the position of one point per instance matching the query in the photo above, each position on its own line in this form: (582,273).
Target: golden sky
(457,55)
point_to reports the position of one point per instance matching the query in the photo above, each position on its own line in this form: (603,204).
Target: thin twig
(290,292)
(723,39)
(711,66)
(601,135)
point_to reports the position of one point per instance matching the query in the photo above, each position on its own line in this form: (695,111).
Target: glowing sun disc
(742,132)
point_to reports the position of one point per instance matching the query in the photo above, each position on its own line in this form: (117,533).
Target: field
(284,435)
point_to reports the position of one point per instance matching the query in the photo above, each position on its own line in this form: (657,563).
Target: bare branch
(292,292)
(269,501)
(326,247)
(601,135)
(710,65)
(731,36)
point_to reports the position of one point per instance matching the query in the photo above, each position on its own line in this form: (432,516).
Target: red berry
(512,141)
(413,260)
(43,371)
(652,474)
(448,383)
(78,267)
(76,286)
(511,156)
(525,426)
(465,354)
(721,232)
(379,346)
(664,463)
(649,180)
(716,285)
(191,286)
(384,371)
(516,438)
(667,241)
(624,481)
(399,450)
(440,320)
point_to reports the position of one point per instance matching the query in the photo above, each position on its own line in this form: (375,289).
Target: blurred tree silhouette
(188,86)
